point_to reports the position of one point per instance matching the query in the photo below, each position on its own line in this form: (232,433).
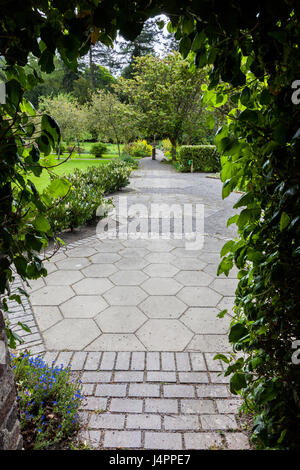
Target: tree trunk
(92,78)
(173,151)
(154,148)
(118,144)
(58,151)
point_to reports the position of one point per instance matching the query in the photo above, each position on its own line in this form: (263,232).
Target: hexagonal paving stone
(35,284)
(51,267)
(211,269)
(199,296)
(164,335)
(128,278)
(122,295)
(161,286)
(163,306)
(160,258)
(73,263)
(108,246)
(208,257)
(131,263)
(132,243)
(105,258)
(133,252)
(47,316)
(159,245)
(51,295)
(161,270)
(116,342)
(225,286)
(183,253)
(205,321)
(194,278)
(189,264)
(83,306)
(210,343)
(60,255)
(212,244)
(63,277)
(99,270)
(72,334)
(82,251)
(120,319)
(92,286)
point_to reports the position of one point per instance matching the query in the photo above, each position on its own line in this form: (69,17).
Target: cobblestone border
(154,400)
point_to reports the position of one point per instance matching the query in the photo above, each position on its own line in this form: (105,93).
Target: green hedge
(204,158)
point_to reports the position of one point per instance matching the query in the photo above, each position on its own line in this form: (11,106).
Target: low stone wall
(10,437)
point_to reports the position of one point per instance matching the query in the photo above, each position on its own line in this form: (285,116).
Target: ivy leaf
(14,92)
(198,41)
(58,187)
(185,46)
(225,266)
(222,314)
(237,332)
(24,327)
(222,357)
(227,247)
(42,224)
(237,383)
(232,220)
(50,125)
(284,221)
(188,25)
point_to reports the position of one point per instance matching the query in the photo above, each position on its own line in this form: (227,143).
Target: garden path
(137,318)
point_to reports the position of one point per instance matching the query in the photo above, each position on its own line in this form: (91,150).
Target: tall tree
(165,91)
(111,119)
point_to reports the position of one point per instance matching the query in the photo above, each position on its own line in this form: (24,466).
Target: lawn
(65,168)
(112,151)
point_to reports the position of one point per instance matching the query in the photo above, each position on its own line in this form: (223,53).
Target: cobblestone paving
(137,320)
(155,400)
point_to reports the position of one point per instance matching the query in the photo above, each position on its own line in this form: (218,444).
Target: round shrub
(98,150)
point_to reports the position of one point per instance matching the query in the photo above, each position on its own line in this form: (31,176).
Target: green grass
(112,151)
(82,162)
(65,168)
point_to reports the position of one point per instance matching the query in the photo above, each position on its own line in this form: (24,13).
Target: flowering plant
(48,400)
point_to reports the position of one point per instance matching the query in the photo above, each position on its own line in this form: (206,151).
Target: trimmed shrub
(204,158)
(138,149)
(88,187)
(98,150)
